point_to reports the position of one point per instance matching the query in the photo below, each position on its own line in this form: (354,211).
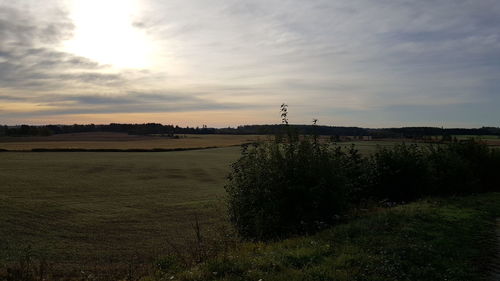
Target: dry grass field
(81,210)
(108,140)
(92,206)
(84,209)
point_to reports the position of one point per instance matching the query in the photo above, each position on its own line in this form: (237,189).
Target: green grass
(102,208)
(436,239)
(479,137)
(369,147)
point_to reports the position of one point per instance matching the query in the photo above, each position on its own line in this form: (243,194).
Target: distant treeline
(421,132)
(159,129)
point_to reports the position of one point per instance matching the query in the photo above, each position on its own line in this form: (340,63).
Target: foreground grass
(427,240)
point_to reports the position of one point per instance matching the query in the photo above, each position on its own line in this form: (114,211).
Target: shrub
(399,173)
(296,185)
(409,172)
(464,168)
(290,185)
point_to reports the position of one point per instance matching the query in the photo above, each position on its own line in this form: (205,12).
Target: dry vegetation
(105,140)
(83,210)
(113,213)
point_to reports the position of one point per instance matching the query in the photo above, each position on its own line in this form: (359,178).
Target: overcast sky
(229,62)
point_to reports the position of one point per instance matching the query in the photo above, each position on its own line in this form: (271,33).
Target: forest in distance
(171,130)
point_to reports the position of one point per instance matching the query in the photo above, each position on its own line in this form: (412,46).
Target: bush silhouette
(409,172)
(295,185)
(289,185)
(399,173)
(278,189)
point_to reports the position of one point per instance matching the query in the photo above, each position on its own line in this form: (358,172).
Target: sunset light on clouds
(228,62)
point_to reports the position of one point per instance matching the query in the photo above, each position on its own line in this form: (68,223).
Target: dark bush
(297,186)
(399,173)
(464,168)
(409,172)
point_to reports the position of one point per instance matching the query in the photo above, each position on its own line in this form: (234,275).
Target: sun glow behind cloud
(104,32)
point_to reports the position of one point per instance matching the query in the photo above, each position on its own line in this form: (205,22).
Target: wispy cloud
(29,58)
(131,102)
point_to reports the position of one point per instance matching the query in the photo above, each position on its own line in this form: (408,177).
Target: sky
(385,63)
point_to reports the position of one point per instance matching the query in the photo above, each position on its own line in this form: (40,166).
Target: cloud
(396,45)
(30,59)
(336,59)
(11,98)
(132,102)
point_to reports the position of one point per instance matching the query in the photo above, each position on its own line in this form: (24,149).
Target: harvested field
(104,208)
(122,141)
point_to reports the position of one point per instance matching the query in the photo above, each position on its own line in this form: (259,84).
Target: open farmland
(84,209)
(369,147)
(122,141)
(103,208)
(490,140)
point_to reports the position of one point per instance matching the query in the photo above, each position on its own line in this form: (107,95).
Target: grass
(93,208)
(434,239)
(122,141)
(85,207)
(479,137)
(370,147)
(87,210)
(493,141)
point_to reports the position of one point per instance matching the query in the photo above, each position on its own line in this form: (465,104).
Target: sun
(104,32)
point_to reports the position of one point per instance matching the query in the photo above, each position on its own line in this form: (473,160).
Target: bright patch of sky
(104,32)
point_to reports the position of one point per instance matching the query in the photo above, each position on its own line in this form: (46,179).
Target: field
(80,210)
(105,140)
(369,147)
(464,137)
(97,207)
(122,141)
(79,207)
(490,140)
